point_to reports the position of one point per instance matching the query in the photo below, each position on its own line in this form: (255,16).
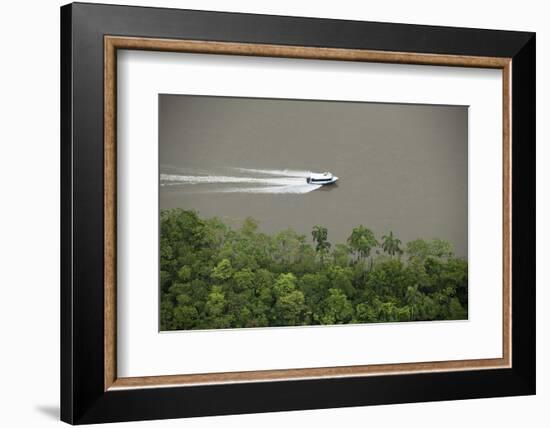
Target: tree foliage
(362,241)
(213,276)
(391,245)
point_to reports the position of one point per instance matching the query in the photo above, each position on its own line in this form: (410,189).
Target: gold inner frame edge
(113,43)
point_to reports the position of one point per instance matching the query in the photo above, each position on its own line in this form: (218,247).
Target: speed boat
(324,178)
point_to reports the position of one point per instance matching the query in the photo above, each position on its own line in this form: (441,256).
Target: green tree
(185,317)
(223,271)
(288,247)
(320,236)
(365,313)
(289,304)
(215,308)
(391,245)
(362,241)
(214,276)
(420,249)
(215,304)
(337,309)
(249,227)
(243,281)
(184,273)
(315,287)
(342,279)
(340,255)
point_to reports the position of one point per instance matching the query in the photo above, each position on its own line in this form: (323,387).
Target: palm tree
(391,244)
(320,234)
(361,241)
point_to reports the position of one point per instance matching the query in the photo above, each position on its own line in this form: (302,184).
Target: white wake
(281,172)
(302,188)
(243,180)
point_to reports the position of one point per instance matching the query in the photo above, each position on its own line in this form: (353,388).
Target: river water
(400,167)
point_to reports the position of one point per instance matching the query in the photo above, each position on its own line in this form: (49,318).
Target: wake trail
(282,172)
(300,189)
(259,181)
(217,179)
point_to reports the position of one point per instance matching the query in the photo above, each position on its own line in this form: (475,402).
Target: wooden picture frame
(91,390)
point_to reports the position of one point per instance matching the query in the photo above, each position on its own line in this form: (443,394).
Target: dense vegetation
(213,276)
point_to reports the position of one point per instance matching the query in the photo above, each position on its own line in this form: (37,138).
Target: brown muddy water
(401,167)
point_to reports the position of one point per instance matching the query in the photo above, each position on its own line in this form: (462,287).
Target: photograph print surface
(283,212)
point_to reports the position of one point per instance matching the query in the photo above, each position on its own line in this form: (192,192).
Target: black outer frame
(83,399)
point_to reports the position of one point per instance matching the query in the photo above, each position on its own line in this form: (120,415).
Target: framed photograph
(265,213)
